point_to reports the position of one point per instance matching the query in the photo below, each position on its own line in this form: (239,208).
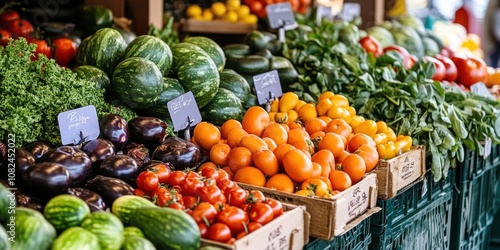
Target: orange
(255,120)
(266,161)
(315,125)
(228,125)
(206,135)
(281,182)
(339,126)
(332,142)
(234,136)
(355,167)
(276,132)
(219,154)
(253,142)
(297,165)
(340,180)
(250,175)
(239,157)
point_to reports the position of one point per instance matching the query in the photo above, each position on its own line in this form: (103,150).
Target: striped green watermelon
(137,82)
(231,80)
(107,227)
(167,228)
(81,53)
(132,231)
(76,238)
(6,197)
(32,230)
(105,49)
(125,205)
(93,74)
(153,49)
(64,211)
(196,72)
(135,242)
(172,88)
(224,106)
(211,47)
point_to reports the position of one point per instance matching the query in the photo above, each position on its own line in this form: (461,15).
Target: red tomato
(226,185)
(235,218)
(445,51)
(41,48)
(403,52)
(140,192)
(371,45)
(276,206)
(470,70)
(65,53)
(237,197)
(5,37)
(211,194)
(261,213)
(440,71)
(204,213)
(210,172)
(176,205)
(203,230)
(191,186)
(256,196)
(189,201)
(176,178)
(160,169)
(7,16)
(147,181)
(20,28)
(450,68)
(219,232)
(162,196)
(192,174)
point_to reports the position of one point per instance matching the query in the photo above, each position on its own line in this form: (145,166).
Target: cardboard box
(216,27)
(396,173)
(116,6)
(144,13)
(289,231)
(334,216)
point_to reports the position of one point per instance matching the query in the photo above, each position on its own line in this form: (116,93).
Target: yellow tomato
(288,101)
(307,112)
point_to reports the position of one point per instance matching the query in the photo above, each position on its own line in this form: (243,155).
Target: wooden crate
(289,231)
(216,27)
(334,216)
(400,171)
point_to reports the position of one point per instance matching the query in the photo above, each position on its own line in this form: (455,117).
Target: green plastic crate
(478,240)
(358,238)
(425,228)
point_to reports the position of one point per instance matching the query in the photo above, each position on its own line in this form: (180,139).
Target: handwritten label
(280,16)
(357,202)
(78,125)
(277,239)
(350,11)
(323,12)
(407,168)
(267,86)
(487,147)
(184,111)
(481,89)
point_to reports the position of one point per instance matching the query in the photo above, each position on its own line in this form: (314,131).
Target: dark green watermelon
(94,17)
(211,47)
(172,88)
(93,74)
(224,106)
(105,49)
(153,49)
(234,82)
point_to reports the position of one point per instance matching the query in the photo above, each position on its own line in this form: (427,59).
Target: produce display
(230,11)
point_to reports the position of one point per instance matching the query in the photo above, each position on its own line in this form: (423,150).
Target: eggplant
(23,200)
(149,131)
(22,160)
(179,152)
(115,129)
(151,164)
(137,151)
(122,167)
(38,148)
(75,160)
(98,150)
(46,180)
(3,151)
(94,200)
(109,188)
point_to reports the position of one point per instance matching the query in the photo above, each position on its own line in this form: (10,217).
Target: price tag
(350,11)
(78,125)
(487,147)
(323,12)
(184,111)
(481,89)
(334,5)
(280,16)
(267,86)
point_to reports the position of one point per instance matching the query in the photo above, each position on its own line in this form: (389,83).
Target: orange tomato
(317,170)
(332,142)
(280,117)
(340,180)
(281,182)
(315,125)
(296,135)
(255,120)
(325,118)
(239,157)
(356,120)
(252,142)
(281,150)
(339,112)
(368,127)
(340,159)
(380,138)
(305,145)
(294,125)
(271,144)
(275,105)
(299,105)
(323,107)
(357,140)
(234,136)
(325,95)
(339,100)
(266,161)
(307,193)
(250,175)
(288,101)
(351,110)
(354,165)
(207,164)
(326,159)
(317,135)
(327,181)
(292,115)
(206,135)
(339,126)
(307,112)
(297,165)
(276,132)
(219,154)
(369,154)
(228,125)
(316,185)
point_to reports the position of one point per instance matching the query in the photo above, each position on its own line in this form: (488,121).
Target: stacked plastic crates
(418,217)
(475,200)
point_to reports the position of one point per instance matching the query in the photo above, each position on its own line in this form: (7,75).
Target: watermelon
(125,205)
(225,105)
(153,49)
(211,47)
(107,227)
(196,71)
(94,17)
(64,211)
(132,231)
(234,82)
(7,202)
(32,230)
(93,74)
(167,228)
(81,53)
(104,50)
(4,239)
(135,242)
(76,238)
(137,82)
(172,88)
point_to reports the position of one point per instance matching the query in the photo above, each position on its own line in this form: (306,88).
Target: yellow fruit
(193,10)
(243,11)
(231,16)
(207,15)
(233,4)
(218,9)
(250,19)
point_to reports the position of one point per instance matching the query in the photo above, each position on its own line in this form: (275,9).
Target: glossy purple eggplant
(137,151)
(179,152)
(75,160)
(115,129)
(38,148)
(21,161)
(98,150)
(109,188)
(46,180)
(149,131)
(24,200)
(122,167)
(94,200)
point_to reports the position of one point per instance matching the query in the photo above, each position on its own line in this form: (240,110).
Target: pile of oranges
(294,149)
(231,11)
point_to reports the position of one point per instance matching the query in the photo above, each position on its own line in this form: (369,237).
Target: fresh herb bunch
(35,92)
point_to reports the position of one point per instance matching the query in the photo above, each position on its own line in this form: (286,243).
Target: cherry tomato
(220,206)
(276,206)
(176,178)
(41,48)
(234,217)
(252,226)
(189,201)
(223,175)
(7,16)
(203,230)
(192,174)
(160,169)
(211,194)
(64,51)
(162,196)
(5,37)
(371,45)
(470,69)
(147,181)
(210,172)
(237,197)
(226,185)
(261,213)
(20,28)
(176,205)
(192,185)
(402,51)
(440,69)
(219,232)
(204,213)
(450,68)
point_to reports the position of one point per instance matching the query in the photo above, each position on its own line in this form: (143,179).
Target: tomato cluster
(258,7)
(61,49)
(224,211)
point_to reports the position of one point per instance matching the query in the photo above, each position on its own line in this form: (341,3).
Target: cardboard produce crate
(396,173)
(216,27)
(289,231)
(337,215)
